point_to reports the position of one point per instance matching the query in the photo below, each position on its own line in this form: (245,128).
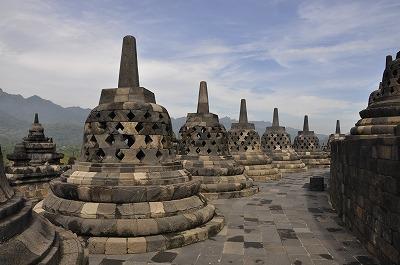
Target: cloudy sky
(321,58)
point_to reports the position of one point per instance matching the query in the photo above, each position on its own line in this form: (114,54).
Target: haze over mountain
(65,125)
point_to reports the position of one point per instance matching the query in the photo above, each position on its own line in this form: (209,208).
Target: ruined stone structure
(306,145)
(365,170)
(127,193)
(277,144)
(204,151)
(34,163)
(245,147)
(26,238)
(337,136)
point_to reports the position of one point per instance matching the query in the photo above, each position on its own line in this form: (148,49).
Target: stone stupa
(127,193)
(277,144)
(382,116)
(337,136)
(26,238)
(35,162)
(204,151)
(245,147)
(306,144)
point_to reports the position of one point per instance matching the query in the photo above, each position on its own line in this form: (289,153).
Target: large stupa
(127,193)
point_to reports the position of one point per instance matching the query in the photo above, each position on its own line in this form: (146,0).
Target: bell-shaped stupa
(34,163)
(245,147)
(26,238)
(306,144)
(337,136)
(127,193)
(277,144)
(204,151)
(382,115)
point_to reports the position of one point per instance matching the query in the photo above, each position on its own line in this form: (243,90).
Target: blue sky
(321,58)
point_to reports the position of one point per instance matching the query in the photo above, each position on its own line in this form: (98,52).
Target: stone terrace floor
(283,224)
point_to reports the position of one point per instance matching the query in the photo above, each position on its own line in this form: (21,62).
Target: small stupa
(382,116)
(245,147)
(277,144)
(306,144)
(26,238)
(337,136)
(127,193)
(34,163)
(204,151)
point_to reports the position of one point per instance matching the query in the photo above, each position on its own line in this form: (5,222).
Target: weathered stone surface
(127,186)
(34,163)
(276,143)
(245,147)
(306,145)
(26,238)
(204,150)
(365,171)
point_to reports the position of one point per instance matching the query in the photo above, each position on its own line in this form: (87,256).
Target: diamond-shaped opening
(198,135)
(237,148)
(241,134)
(203,143)
(130,115)
(187,150)
(245,148)
(213,142)
(139,127)
(129,140)
(147,115)
(110,139)
(218,135)
(163,140)
(147,139)
(140,155)
(209,150)
(98,115)
(208,135)
(192,142)
(198,150)
(119,127)
(100,153)
(102,125)
(203,129)
(155,126)
(219,150)
(158,154)
(112,115)
(119,154)
(93,139)
(160,116)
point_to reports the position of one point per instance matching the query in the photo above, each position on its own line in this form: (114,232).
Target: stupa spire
(36,119)
(202,105)
(128,70)
(243,111)
(337,127)
(275,118)
(305,124)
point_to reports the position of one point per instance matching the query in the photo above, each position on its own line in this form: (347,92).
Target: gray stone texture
(127,193)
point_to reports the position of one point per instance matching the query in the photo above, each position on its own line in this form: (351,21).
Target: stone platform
(283,224)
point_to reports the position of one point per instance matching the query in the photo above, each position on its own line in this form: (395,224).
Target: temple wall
(365,190)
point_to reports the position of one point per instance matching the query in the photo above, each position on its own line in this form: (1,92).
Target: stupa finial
(36,119)
(128,70)
(275,118)
(243,111)
(305,124)
(337,127)
(202,105)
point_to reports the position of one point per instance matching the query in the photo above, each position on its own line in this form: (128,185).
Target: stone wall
(32,191)
(365,190)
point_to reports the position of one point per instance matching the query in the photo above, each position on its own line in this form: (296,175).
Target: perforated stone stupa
(382,115)
(127,193)
(306,144)
(205,153)
(337,136)
(245,147)
(26,238)
(35,162)
(277,144)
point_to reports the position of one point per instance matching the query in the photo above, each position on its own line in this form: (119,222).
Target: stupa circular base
(135,245)
(262,173)
(290,166)
(315,159)
(247,192)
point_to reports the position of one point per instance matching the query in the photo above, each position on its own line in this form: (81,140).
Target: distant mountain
(65,125)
